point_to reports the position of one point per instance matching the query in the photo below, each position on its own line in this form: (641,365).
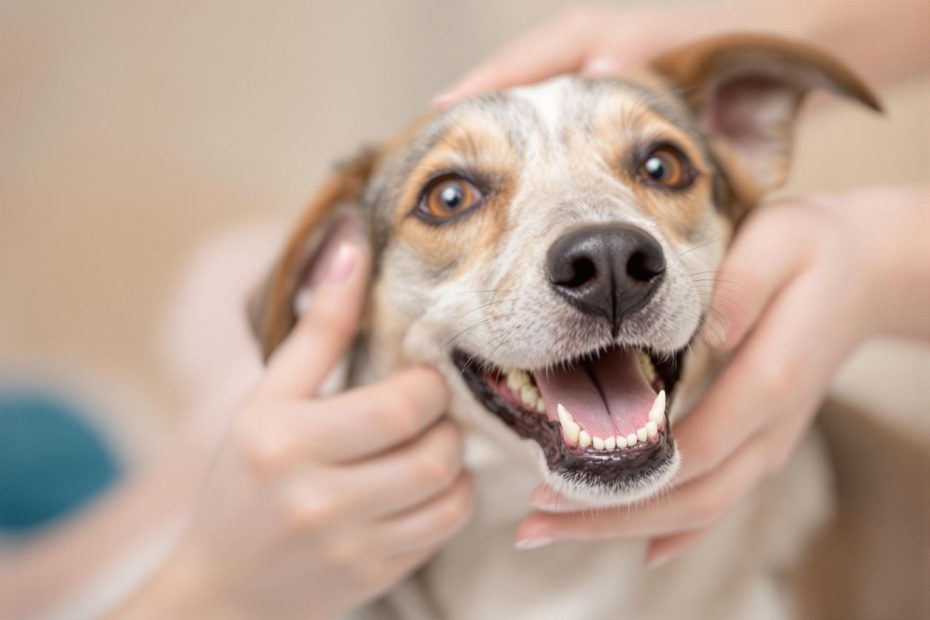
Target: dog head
(552,248)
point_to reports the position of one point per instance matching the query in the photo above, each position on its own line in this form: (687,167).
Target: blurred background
(144,143)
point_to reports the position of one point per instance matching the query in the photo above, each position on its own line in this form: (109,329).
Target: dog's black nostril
(644,266)
(608,270)
(583,271)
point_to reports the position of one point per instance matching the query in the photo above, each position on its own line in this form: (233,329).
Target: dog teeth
(516,379)
(529,395)
(541,406)
(657,413)
(584,439)
(571,432)
(652,429)
(649,371)
(575,436)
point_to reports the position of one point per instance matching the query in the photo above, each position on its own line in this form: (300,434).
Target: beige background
(130,132)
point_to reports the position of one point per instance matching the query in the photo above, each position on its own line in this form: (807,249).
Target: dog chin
(571,487)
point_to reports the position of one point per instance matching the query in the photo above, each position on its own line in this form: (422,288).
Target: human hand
(318,504)
(806,280)
(606,40)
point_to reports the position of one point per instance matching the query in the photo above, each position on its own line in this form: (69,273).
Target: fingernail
(656,560)
(342,264)
(526,544)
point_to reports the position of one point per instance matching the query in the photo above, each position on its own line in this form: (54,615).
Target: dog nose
(606,270)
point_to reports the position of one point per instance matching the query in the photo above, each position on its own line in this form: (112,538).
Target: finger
(360,423)
(661,550)
(549,500)
(755,269)
(327,329)
(430,523)
(405,477)
(770,373)
(557,46)
(692,506)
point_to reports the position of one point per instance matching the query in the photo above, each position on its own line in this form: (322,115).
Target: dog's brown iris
(664,165)
(448,196)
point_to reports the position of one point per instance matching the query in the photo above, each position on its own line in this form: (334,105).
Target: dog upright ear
(272,308)
(745,92)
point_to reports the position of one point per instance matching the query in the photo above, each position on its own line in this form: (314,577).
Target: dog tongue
(609,396)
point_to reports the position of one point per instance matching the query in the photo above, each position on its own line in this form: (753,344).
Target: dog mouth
(599,418)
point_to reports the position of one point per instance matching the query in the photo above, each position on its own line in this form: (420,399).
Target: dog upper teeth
(570,430)
(516,379)
(574,435)
(657,413)
(519,382)
(649,371)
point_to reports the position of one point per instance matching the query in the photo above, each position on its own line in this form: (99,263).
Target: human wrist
(182,588)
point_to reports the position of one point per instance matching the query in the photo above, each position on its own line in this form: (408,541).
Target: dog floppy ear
(272,307)
(745,92)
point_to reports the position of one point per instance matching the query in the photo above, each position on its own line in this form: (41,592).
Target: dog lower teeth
(574,436)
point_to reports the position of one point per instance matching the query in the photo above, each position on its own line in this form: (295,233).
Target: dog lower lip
(615,465)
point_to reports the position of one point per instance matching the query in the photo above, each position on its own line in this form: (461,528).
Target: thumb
(328,326)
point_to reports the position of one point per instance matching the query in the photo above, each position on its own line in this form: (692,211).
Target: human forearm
(895,225)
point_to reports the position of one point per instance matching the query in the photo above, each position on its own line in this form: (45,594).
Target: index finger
(325,331)
(560,45)
(367,420)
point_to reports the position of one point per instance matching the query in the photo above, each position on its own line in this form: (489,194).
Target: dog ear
(272,306)
(745,92)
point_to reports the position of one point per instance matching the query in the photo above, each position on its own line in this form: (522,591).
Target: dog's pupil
(451,196)
(655,168)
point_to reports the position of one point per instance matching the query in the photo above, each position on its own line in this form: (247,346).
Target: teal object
(52,460)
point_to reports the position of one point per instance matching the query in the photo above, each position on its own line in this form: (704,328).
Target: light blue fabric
(52,461)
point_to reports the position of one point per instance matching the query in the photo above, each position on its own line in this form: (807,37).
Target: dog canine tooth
(598,443)
(631,440)
(570,429)
(610,443)
(584,439)
(657,412)
(652,429)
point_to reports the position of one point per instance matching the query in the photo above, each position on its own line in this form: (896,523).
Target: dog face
(551,248)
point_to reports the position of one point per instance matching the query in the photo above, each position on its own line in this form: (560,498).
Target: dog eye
(666,166)
(446,197)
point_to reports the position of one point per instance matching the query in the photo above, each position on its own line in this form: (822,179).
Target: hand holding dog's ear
(343,495)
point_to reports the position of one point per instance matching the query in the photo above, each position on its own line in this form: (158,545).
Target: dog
(550,249)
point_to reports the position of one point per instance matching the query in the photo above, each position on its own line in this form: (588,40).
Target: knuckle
(452,513)
(580,15)
(343,555)
(264,452)
(397,416)
(780,380)
(437,470)
(310,512)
